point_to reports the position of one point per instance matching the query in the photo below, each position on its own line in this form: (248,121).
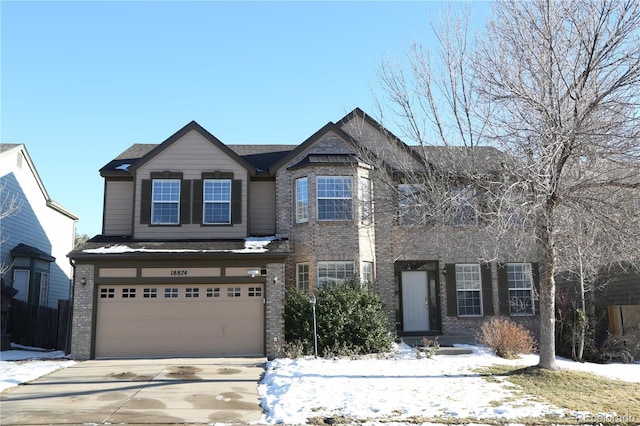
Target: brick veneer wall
(83,299)
(274,316)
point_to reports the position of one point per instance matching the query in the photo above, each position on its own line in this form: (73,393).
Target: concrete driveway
(149,391)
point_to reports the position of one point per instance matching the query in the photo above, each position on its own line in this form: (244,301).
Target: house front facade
(200,240)
(36,233)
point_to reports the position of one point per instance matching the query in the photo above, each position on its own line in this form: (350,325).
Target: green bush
(350,320)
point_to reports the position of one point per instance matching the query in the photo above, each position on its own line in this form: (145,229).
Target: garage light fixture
(253,272)
(83,281)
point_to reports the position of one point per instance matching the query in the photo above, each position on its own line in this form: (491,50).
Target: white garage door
(180,320)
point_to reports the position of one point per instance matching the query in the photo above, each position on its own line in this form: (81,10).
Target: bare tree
(10,205)
(555,88)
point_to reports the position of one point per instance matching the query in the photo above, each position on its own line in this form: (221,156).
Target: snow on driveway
(404,387)
(22,364)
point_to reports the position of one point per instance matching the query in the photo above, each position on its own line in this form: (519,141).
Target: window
(302,200)
(334,198)
(410,208)
(255,292)
(213,292)
(170,293)
(469,290)
(192,292)
(367,272)
(464,207)
(302,276)
(334,272)
(150,293)
(234,292)
(128,293)
(217,201)
(520,285)
(165,197)
(43,277)
(21,279)
(107,293)
(366,203)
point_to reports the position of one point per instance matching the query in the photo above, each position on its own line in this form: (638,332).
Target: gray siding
(262,208)
(118,207)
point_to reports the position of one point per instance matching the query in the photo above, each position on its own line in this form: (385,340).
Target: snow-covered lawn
(406,386)
(22,364)
(393,388)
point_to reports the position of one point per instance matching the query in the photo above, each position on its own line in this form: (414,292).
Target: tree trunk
(547,344)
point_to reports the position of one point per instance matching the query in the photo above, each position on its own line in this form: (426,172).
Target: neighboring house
(200,240)
(36,234)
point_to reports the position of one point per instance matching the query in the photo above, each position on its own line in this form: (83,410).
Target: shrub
(350,320)
(506,337)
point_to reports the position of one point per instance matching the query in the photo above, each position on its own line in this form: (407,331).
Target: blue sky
(82,81)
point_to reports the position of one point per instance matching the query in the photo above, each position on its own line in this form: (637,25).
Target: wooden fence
(39,326)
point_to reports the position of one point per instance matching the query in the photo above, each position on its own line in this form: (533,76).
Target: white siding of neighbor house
(35,223)
(118,207)
(262,208)
(191,155)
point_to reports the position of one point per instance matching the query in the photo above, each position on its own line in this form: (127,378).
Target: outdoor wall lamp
(253,272)
(83,281)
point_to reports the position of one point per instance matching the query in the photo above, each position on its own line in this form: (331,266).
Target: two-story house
(36,233)
(200,240)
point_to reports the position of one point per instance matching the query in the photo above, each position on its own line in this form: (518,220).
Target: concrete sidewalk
(149,391)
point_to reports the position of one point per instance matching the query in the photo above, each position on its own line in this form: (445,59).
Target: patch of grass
(573,390)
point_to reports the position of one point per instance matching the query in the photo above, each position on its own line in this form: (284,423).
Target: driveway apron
(149,391)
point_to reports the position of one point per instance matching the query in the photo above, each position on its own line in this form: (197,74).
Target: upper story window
(366,199)
(216,201)
(465,207)
(302,200)
(469,289)
(410,207)
(335,272)
(520,284)
(334,198)
(165,198)
(367,272)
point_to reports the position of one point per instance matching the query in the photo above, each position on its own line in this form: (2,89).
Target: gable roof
(327,128)
(179,134)
(7,149)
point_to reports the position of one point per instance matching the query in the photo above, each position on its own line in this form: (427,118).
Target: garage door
(180,320)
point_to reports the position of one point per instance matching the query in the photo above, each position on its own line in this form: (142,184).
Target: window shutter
(535,276)
(145,202)
(236,201)
(452,294)
(487,289)
(503,289)
(196,213)
(185,201)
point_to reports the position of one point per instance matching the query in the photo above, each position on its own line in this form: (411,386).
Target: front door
(415,301)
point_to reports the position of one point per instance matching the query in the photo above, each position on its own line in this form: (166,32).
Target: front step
(447,340)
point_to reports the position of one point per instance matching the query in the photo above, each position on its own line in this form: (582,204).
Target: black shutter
(185,202)
(145,202)
(236,201)
(487,289)
(503,290)
(196,202)
(535,276)
(452,294)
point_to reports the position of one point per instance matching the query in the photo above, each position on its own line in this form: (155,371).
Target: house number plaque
(180,272)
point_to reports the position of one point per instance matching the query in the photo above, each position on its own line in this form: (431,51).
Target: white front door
(415,301)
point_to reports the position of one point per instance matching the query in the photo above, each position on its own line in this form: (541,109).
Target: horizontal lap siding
(262,208)
(192,155)
(118,207)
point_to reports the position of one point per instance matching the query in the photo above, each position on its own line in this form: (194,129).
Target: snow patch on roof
(124,166)
(251,245)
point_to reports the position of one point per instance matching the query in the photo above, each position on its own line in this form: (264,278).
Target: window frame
(214,202)
(365,196)
(510,288)
(459,280)
(302,277)
(367,276)
(345,201)
(323,265)
(154,202)
(302,199)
